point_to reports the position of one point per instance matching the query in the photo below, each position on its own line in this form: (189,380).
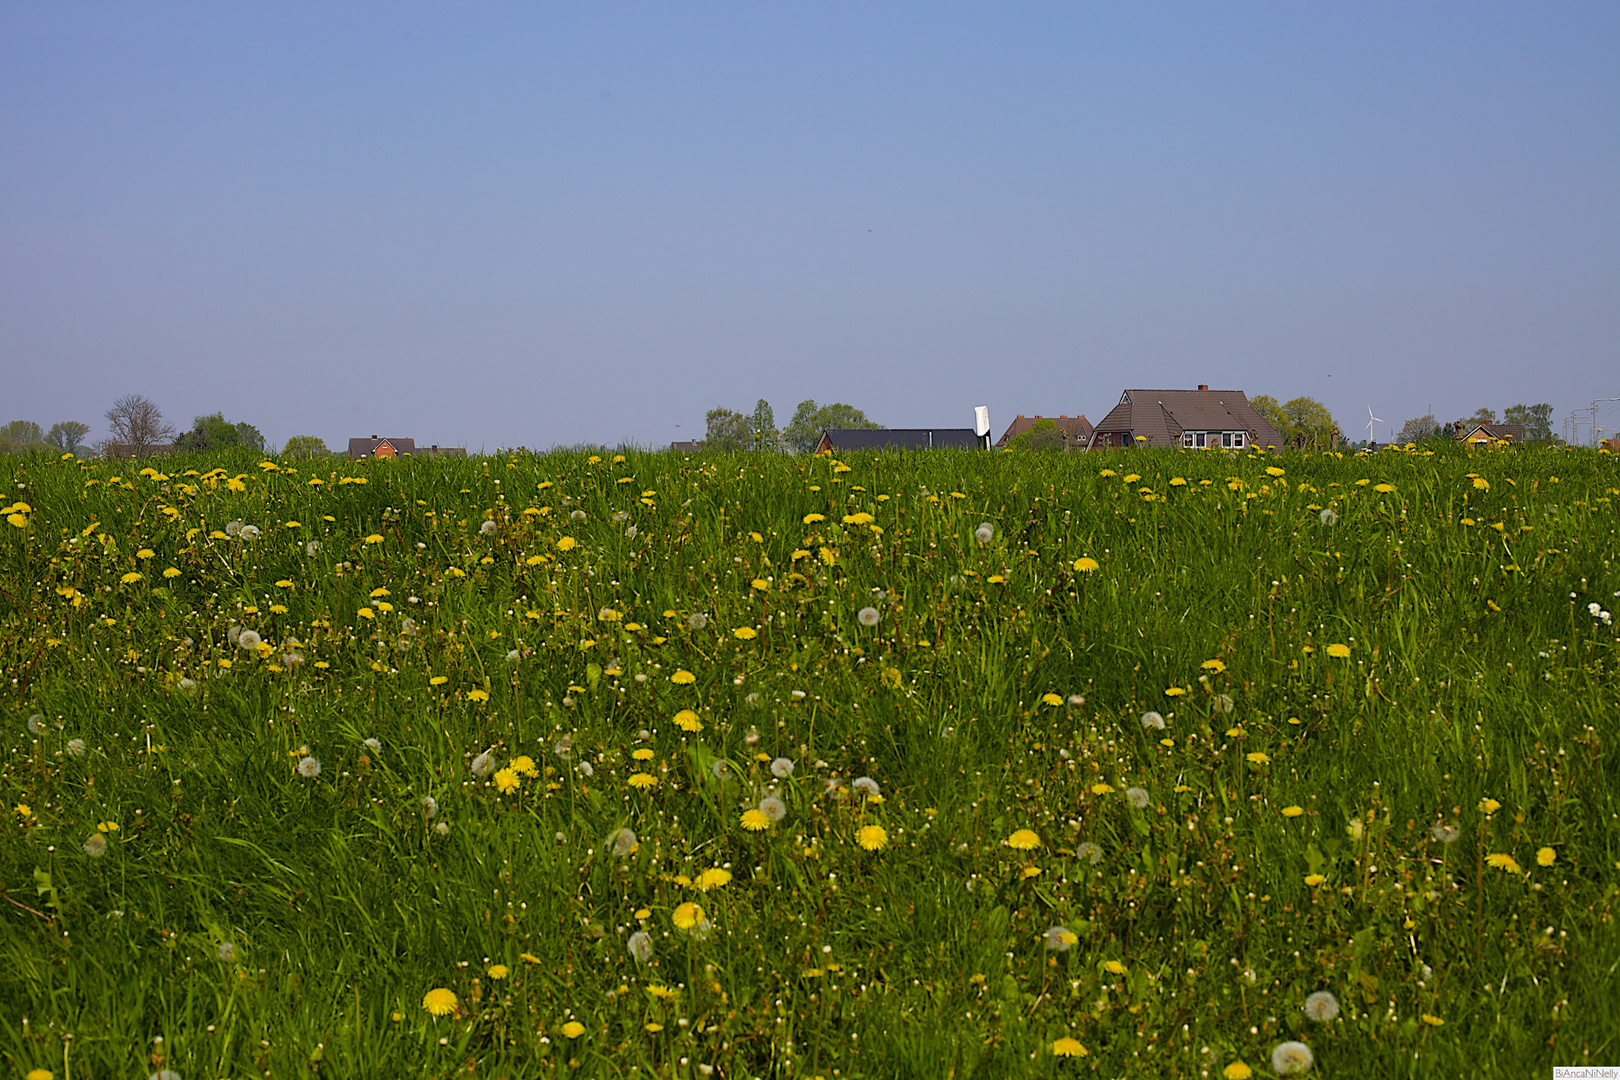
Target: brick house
(1076,429)
(1201,419)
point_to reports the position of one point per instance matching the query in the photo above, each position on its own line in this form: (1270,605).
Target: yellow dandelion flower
(755,820)
(1024,840)
(1102,789)
(687,720)
(506,780)
(1237,1071)
(1051,699)
(1313,880)
(566,543)
(439,1001)
(573,1029)
(1113,967)
(683,677)
(811,519)
(652,1028)
(642,754)
(1383,489)
(1432,1020)
(1490,806)
(1499,861)
(1213,666)
(366,613)
(130,578)
(643,781)
(478,695)
(1067,1047)
(1546,857)
(872,837)
(1085,564)
(172,572)
(1481,484)
(1174,691)
(39,1074)
(1339,651)
(497,971)
(713,878)
(374,538)
(686,916)
(1259,757)
(438,680)
(524,765)
(1293,811)
(745,633)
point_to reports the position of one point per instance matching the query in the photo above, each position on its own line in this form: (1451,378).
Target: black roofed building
(838,440)
(1201,419)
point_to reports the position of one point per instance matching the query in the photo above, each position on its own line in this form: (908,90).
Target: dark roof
(1162,415)
(1076,428)
(1514,432)
(898,439)
(687,446)
(359,448)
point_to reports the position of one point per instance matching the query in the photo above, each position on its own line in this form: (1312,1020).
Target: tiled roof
(1076,428)
(1162,415)
(359,448)
(899,438)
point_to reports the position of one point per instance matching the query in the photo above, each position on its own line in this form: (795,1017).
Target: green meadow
(944,764)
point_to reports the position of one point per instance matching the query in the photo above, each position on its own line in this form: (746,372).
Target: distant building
(1201,419)
(376,447)
(1470,432)
(1076,429)
(686,446)
(842,439)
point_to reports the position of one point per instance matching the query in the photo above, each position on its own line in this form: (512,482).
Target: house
(441,451)
(1201,419)
(686,446)
(1468,431)
(380,448)
(1076,429)
(838,440)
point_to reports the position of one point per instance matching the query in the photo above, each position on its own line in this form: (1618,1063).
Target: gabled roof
(1162,415)
(1513,432)
(359,448)
(1076,428)
(898,439)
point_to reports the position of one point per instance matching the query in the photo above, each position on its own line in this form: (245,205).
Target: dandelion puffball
(248,639)
(1138,797)
(867,786)
(96,846)
(1322,1007)
(985,533)
(430,807)
(868,616)
(483,764)
(640,946)
(308,767)
(773,808)
(1292,1059)
(622,841)
(782,768)
(1153,720)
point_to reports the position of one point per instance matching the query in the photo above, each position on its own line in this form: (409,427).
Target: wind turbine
(1371,420)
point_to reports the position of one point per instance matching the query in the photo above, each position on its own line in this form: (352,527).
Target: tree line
(730,431)
(138,429)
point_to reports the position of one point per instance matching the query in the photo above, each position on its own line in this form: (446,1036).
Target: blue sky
(533,224)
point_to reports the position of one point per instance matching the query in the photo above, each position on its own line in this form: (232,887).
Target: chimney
(1203,386)
(374,438)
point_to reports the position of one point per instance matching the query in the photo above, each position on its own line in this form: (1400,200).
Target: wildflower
(773,808)
(1059,938)
(487,527)
(1292,1059)
(1102,789)
(1338,650)
(1259,757)
(186,685)
(312,548)
(622,841)
(483,764)
(1174,691)
(872,837)
(782,768)
(1354,829)
(697,620)
(643,781)
(714,877)
(1237,1071)
(1490,806)
(985,532)
(686,916)
(439,1001)
(497,971)
(96,846)
(868,616)
(1431,1020)
(1292,811)
(226,952)
(1313,880)
(1113,967)
(745,633)
(1322,1007)
(1500,861)
(1383,489)
(248,640)
(687,720)
(250,532)
(721,769)
(524,765)
(506,780)
(374,745)
(75,747)
(1546,857)
(1446,834)
(441,829)
(1214,667)
(867,786)
(1153,720)
(752,738)
(755,820)
(478,695)
(566,543)
(1085,564)
(573,1029)
(1068,1047)
(233,528)
(1138,797)
(1024,840)
(308,767)
(430,807)
(683,677)
(640,946)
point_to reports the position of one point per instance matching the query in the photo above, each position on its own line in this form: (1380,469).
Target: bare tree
(137,426)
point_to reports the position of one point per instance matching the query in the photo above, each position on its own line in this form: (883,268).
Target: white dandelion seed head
(248,640)
(1090,852)
(250,532)
(721,769)
(407,625)
(782,768)
(1292,1059)
(487,526)
(96,846)
(75,747)
(773,808)
(1153,720)
(1322,1007)
(865,785)
(1446,834)
(36,724)
(585,768)
(232,634)
(511,655)
(622,841)
(831,784)
(312,548)
(1138,797)
(1057,938)
(233,528)
(641,676)
(442,829)
(226,952)
(868,616)
(752,699)
(640,946)
(164,1074)
(1224,703)
(621,516)
(187,685)
(752,738)
(374,745)
(702,930)
(630,532)
(697,620)
(1077,700)
(1329,517)
(985,533)
(483,764)
(308,767)
(576,515)
(430,807)
(564,747)
(292,659)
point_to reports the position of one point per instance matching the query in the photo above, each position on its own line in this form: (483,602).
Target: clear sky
(531,224)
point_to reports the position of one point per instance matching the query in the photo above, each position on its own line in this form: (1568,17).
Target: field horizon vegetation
(1148,763)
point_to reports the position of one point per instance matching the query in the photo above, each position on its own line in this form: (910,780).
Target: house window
(1232,440)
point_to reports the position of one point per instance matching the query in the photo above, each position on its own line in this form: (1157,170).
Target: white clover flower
(1329,517)
(1059,938)
(487,527)
(865,785)
(1138,797)
(773,808)
(248,640)
(308,767)
(430,807)
(483,764)
(697,620)
(622,841)
(1090,852)
(75,747)
(782,768)
(640,946)
(250,532)
(1322,1007)
(868,616)
(96,846)
(1153,720)
(1292,1059)
(374,745)
(985,533)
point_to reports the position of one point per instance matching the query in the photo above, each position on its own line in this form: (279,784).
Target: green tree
(1270,408)
(20,436)
(727,431)
(68,435)
(1537,420)
(763,423)
(1482,416)
(214,432)
(1309,423)
(1418,429)
(305,446)
(1042,435)
(803,432)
